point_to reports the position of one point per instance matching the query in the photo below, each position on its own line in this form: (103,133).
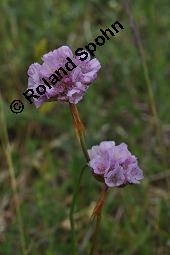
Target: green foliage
(46,155)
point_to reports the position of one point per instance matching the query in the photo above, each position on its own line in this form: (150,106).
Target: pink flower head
(115,163)
(67,77)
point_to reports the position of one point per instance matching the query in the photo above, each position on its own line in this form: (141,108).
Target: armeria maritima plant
(113,165)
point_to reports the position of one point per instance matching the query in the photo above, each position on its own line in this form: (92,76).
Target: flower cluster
(71,86)
(115,164)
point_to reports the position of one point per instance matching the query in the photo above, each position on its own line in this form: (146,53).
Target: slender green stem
(84,148)
(79,129)
(7,151)
(76,190)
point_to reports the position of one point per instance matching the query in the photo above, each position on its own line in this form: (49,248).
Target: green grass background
(46,156)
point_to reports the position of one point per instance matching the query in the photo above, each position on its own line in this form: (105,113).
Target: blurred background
(45,154)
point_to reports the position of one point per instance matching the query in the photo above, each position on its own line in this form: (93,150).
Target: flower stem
(79,128)
(76,190)
(84,148)
(95,235)
(97,212)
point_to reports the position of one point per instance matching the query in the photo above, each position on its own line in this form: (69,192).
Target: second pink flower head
(115,164)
